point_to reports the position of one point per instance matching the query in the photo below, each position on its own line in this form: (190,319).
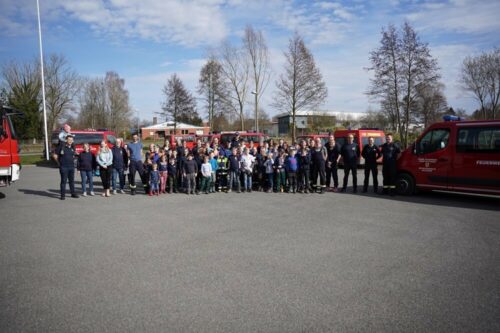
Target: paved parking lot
(246,262)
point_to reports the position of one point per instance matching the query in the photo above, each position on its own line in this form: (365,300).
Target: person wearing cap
(65,158)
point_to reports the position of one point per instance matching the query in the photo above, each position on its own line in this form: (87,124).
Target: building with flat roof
(158,131)
(308,119)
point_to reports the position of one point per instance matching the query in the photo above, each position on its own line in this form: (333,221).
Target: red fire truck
(454,155)
(10,163)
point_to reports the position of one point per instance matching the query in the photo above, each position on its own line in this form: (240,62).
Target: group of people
(305,167)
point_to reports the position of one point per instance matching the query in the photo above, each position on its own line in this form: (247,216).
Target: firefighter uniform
(350,155)
(390,153)
(371,154)
(221,173)
(318,158)
(66,158)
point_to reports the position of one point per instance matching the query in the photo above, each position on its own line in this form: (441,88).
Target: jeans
(270,181)
(136,166)
(292,181)
(234,177)
(280,179)
(90,176)
(205,184)
(190,182)
(247,181)
(67,175)
(121,178)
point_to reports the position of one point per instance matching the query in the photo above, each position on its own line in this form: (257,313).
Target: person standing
(86,165)
(291,166)
(332,160)
(65,157)
(135,154)
(190,171)
(350,155)
(234,170)
(318,158)
(206,174)
(247,164)
(371,154)
(120,160)
(104,159)
(390,155)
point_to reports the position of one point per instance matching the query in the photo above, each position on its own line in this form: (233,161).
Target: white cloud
(464,16)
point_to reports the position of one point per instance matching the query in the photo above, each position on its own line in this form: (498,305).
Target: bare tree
(118,109)
(179,104)
(62,84)
(235,71)
(301,85)
(481,77)
(93,104)
(400,65)
(213,89)
(430,103)
(256,47)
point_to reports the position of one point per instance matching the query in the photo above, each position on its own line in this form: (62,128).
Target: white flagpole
(43,83)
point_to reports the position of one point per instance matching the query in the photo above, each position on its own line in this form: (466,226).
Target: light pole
(255,93)
(43,82)
(138,130)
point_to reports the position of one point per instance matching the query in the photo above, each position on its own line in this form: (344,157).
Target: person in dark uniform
(65,157)
(350,155)
(318,158)
(371,153)
(221,173)
(333,157)
(390,154)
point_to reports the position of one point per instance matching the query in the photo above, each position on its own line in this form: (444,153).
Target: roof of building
(170,125)
(302,113)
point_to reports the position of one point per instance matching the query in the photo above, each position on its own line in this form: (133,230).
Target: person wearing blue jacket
(291,167)
(215,165)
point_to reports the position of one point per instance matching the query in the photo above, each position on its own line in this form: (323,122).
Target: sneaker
(114,192)
(122,191)
(63,198)
(92,193)
(84,194)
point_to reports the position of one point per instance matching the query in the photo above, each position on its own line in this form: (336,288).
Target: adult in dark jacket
(86,165)
(371,154)
(65,157)
(350,155)
(318,158)
(190,169)
(120,160)
(234,170)
(333,157)
(390,154)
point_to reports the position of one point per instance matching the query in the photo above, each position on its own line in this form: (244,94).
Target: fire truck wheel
(405,184)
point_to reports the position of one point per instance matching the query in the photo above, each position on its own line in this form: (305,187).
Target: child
(213,163)
(154,179)
(163,168)
(304,170)
(279,166)
(172,174)
(247,163)
(269,168)
(291,166)
(206,174)
(190,169)
(86,165)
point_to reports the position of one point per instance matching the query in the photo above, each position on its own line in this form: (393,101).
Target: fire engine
(453,155)
(10,163)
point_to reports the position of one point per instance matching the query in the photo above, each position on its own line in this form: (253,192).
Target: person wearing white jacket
(104,159)
(206,174)
(247,164)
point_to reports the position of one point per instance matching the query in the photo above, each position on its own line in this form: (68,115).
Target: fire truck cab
(10,163)
(454,155)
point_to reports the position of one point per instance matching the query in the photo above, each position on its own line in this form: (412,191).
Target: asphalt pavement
(251,262)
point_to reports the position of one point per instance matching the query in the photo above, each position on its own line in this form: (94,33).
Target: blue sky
(146,41)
